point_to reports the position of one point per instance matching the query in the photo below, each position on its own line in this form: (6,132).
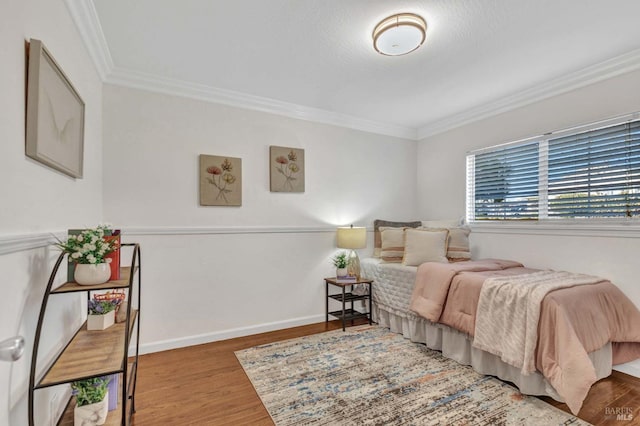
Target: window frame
(625,227)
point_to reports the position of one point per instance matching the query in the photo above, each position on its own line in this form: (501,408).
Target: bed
(406,299)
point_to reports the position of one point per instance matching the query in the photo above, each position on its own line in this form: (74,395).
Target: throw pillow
(392,248)
(422,245)
(458,247)
(377,237)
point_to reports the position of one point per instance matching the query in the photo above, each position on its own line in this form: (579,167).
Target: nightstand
(346,295)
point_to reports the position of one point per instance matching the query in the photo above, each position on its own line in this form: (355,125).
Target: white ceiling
(314,58)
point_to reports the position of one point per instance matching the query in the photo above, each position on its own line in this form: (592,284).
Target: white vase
(341,272)
(91,274)
(92,414)
(101,322)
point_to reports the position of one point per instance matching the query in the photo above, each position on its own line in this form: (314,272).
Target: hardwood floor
(205,385)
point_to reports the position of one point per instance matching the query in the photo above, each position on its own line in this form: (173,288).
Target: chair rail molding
(183,230)
(22,242)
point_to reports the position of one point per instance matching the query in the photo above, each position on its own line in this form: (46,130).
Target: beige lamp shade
(352,237)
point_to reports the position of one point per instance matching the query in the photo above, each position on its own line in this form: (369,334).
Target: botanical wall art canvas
(220,181)
(286,169)
(55,114)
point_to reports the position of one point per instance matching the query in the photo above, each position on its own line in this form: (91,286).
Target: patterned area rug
(370,376)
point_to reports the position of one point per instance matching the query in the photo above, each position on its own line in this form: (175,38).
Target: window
(591,172)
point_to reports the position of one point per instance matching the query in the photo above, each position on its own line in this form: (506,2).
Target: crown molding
(87,22)
(592,74)
(85,17)
(140,80)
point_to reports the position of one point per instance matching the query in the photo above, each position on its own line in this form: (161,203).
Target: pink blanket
(573,321)
(433,281)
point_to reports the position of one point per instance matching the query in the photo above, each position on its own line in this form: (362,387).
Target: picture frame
(286,169)
(220,180)
(55,114)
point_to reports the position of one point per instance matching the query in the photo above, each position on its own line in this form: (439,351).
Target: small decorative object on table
(341,261)
(112,396)
(102,313)
(352,238)
(119,298)
(87,250)
(92,398)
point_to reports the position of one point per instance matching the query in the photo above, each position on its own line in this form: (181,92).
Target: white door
(20,298)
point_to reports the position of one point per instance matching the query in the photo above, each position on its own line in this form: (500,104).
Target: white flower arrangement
(89,247)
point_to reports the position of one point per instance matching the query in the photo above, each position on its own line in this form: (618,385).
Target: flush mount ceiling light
(399,34)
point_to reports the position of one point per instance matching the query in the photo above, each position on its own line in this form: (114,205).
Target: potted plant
(341,261)
(88,250)
(102,313)
(91,401)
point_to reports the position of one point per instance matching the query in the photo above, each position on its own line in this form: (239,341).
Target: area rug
(370,376)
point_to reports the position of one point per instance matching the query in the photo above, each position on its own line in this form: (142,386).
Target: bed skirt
(457,346)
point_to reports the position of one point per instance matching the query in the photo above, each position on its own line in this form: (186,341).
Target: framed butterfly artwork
(55,114)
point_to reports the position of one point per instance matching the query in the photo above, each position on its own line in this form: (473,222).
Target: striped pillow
(392,249)
(377,236)
(459,244)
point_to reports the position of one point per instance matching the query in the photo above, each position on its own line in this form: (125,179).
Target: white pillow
(424,246)
(458,243)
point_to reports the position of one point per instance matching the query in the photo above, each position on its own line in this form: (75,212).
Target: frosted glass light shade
(352,237)
(399,34)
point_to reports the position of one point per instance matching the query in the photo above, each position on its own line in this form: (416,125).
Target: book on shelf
(114,255)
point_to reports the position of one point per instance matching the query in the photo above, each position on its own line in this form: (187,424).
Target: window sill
(618,229)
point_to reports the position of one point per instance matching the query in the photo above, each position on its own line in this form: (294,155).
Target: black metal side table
(347,295)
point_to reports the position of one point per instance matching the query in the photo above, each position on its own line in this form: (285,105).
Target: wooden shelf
(349,297)
(349,314)
(90,354)
(123,282)
(114,417)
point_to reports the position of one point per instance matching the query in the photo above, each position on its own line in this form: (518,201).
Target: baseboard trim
(631,368)
(200,339)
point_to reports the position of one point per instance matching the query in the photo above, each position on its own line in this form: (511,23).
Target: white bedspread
(393,285)
(509,310)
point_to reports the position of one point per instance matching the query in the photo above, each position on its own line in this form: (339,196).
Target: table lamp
(352,238)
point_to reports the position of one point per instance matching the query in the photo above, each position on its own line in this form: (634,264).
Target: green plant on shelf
(101,307)
(90,391)
(340,260)
(89,247)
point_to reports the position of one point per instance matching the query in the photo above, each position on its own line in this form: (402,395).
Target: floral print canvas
(286,168)
(220,181)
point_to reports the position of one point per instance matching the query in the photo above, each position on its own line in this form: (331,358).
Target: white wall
(441,184)
(217,272)
(36,200)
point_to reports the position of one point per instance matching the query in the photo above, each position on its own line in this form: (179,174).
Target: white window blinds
(506,183)
(594,173)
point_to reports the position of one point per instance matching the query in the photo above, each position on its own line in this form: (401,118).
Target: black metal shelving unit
(66,369)
(347,314)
